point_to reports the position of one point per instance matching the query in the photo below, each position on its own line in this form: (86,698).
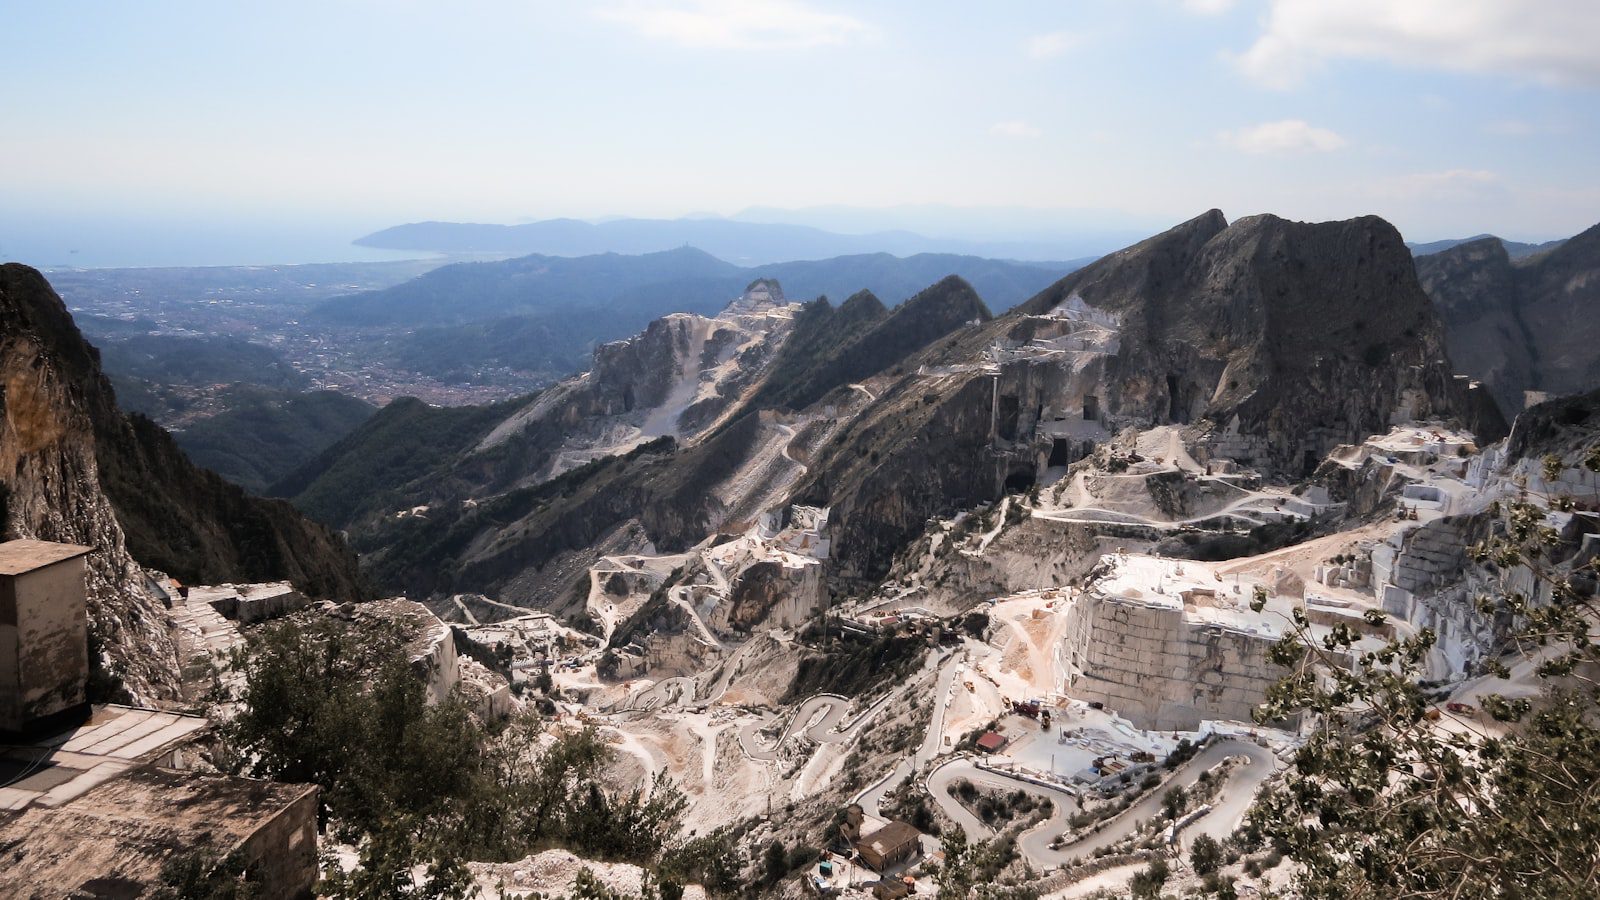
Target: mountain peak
(863,302)
(950,295)
(763,290)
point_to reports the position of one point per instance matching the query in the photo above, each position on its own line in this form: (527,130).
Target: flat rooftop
(23,556)
(113,840)
(115,739)
(1156,581)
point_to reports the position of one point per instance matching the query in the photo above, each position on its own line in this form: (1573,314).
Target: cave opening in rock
(1020,481)
(1060,453)
(1091,407)
(1174,403)
(627,398)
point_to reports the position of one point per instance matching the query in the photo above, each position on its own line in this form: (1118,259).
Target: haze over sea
(93,244)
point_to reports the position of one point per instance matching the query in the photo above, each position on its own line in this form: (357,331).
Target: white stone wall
(1160,670)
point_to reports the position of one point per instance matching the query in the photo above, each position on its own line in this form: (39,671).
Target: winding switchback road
(1225,816)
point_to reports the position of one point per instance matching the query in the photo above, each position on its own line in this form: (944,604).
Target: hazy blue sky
(1449,117)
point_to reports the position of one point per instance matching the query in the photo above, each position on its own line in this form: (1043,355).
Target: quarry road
(1226,814)
(832,707)
(871,799)
(668,691)
(1247,510)
(786,452)
(944,778)
(1233,801)
(1237,794)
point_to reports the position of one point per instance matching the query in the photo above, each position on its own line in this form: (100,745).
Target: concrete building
(44,634)
(889,846)
(95,800)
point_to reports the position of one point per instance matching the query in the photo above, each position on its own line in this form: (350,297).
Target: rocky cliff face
(1310,334)
(680,378)
(51,483)
(684,430)
(75,469)
(1523,324)
(1273,340)
(1267,342)
(1472,285)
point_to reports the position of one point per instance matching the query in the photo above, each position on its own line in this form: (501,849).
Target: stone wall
(1160,670)
(1430,558)
(283,851)
(769,593)
(251,603)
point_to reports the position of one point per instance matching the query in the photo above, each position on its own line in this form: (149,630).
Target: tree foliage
(1205,854)
(411,783)
(1390,797)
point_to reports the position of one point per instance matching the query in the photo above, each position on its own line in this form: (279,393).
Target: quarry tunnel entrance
(1020,481)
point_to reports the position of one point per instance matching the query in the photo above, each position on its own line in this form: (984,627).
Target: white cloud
(735,24)
(1552,42)
(1049,46)
(1208,7)
(1286,136)
(1015,128)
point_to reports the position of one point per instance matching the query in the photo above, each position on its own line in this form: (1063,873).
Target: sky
(338,117)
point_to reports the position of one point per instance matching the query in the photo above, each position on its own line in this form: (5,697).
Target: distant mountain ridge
(686,279)
(1514,249)
(545,313)
(747,243)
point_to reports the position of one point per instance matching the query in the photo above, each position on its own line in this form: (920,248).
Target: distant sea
(100,245)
